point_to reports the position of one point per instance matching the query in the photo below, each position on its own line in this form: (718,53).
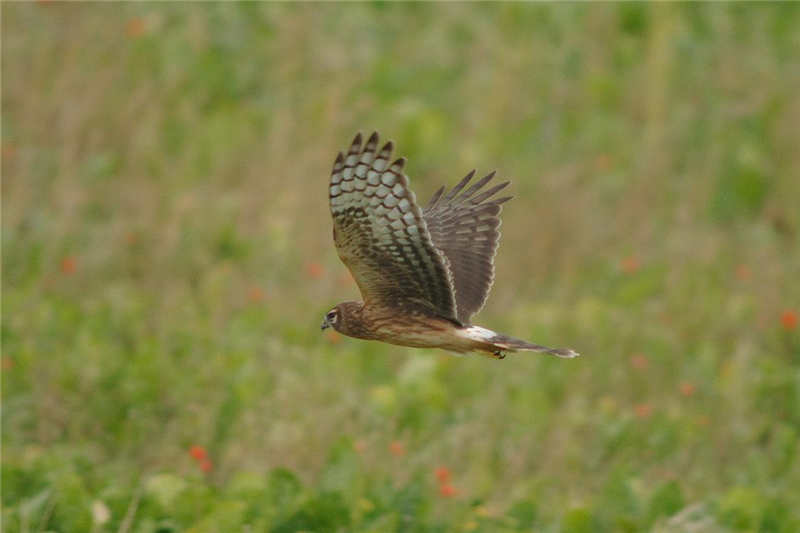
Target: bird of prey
(422,273)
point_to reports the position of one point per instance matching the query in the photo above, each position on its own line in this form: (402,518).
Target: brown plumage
(422,273)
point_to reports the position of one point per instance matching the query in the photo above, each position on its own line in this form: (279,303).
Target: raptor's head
(331,319)
(344,318)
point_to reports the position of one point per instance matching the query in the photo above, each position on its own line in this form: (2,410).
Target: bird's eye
(331,316)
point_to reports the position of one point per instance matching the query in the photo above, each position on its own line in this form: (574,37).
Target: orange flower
(345,280)
(136,27)
(206,465)
(703,421)
(447,490)
(314,270)
(333,337)
(605,162)
(789,320)
(643,410)
(8,151)
(359,446)
(255,295)
(630,264)
(6,363)
(198,453)
(131,238)
(640,362)
(743,273)
(687,388)
(69,265)
(397,449)
(442,474)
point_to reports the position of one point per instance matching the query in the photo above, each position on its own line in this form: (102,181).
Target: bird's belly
(422,333)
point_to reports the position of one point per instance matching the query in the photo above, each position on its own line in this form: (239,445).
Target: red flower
(643,410)
(687,388)
(703,421)
(743,273)
(314,270)
(397,449)
(8,151)
(789,320)
(605,162)
(630,264)
(198,453)
(136,27)
(447,490)
(640,362)
(442,474)
(206,466)
(131,238)
(346,280)
(255,295)
(69,265)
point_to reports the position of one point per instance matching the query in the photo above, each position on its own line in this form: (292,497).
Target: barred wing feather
(381,235)
(465,228)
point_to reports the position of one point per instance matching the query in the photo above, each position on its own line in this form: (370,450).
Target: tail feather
(497,344)
(515,345)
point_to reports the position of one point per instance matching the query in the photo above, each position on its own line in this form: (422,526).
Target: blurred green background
(166,261)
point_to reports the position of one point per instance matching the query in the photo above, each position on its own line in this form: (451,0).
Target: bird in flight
(422,273)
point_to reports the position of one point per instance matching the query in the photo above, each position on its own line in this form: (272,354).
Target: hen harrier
(422,273)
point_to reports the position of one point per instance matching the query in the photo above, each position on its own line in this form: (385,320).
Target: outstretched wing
(465,228)
(381,236)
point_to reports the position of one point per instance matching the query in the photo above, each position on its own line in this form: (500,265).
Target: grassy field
(167,259)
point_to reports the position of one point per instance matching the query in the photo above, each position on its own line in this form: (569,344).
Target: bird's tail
(489,343)
(510,344)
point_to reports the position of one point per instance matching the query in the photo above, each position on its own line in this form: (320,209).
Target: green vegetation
(166,261)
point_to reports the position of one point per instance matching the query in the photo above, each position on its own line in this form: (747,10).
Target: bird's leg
(494,354)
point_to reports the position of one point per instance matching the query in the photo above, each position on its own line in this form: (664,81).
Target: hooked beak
(325,324)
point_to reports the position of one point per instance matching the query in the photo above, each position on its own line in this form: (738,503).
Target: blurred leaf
(165,489)
(100,167)
(666,501)
(226,516)
(327,512)
(524,514)
(741,508)
(73,503)
(634,17)
(578,520)
(283,491)
(340,471)
(742,187)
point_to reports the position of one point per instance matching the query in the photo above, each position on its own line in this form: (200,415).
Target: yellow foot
(494,354)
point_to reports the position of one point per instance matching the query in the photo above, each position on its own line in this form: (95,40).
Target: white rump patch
(477,333)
